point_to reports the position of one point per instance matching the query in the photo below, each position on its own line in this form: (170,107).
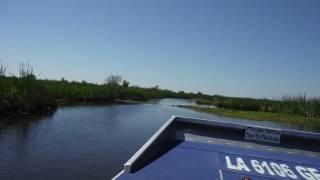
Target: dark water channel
(88,142)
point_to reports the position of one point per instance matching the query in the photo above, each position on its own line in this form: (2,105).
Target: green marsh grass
(260,116)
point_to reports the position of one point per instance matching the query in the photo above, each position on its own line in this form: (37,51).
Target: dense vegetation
(312,123)
(27,94)
(298,105)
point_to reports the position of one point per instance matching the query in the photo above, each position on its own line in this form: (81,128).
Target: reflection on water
(88,142)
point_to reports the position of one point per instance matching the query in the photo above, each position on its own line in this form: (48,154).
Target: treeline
(65,91)
(298,105)
(27,94)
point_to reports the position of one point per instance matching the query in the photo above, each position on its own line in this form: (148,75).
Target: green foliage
(302,105)
(125,84)
(247,104)
(23,95)
(298,105)
(313,123)
(26,94)
(204,101)
(113,80)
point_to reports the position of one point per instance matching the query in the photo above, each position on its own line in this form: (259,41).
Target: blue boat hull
(199,151)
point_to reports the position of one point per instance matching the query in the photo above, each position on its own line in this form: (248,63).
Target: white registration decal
(270,168)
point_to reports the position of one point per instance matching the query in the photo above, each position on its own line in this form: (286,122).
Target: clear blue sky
(249,48)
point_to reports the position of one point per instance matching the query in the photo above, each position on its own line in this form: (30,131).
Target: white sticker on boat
(269,168)
(263,135)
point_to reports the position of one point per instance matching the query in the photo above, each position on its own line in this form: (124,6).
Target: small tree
(63,80)
(113,80)
(125,84)
(113,89)
(155,88)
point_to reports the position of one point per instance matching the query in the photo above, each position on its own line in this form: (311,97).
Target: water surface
(88,142)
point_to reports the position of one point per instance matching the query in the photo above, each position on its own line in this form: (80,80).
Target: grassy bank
(297,105)
(256,115)
(25,94)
